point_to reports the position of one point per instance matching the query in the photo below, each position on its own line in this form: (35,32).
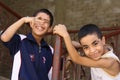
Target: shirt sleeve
(13,44)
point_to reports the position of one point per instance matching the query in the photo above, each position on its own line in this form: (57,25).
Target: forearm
(11,30)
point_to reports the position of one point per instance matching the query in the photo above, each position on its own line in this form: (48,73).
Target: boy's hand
(60,30)
(29,19)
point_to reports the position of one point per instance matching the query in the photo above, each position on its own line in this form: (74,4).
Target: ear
(103,40)
(50,29)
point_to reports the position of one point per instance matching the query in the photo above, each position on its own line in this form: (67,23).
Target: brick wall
(73,13)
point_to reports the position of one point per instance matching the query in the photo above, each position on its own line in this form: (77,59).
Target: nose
(92,49)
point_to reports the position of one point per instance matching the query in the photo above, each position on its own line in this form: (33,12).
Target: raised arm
(11,30)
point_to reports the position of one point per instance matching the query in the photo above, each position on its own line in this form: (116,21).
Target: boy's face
(41,24)
(93,46)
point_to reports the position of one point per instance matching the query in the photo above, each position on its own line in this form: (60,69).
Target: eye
(85,47)
(39,18)
(96,43)
(44,20)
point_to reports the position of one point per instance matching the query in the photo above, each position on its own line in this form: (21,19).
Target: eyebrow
(95,41)
(92,43)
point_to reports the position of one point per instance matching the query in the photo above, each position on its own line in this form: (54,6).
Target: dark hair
(89,29)
(47,12)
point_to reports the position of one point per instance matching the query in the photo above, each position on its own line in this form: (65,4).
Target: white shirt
(100,74)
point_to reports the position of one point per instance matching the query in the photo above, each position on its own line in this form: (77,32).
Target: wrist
(66,35)
(23,19)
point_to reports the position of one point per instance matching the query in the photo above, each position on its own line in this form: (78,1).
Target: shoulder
(110,65)
(111,55)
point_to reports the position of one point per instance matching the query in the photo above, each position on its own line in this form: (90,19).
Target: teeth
(39,28)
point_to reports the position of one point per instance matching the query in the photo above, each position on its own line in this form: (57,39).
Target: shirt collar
(31,38)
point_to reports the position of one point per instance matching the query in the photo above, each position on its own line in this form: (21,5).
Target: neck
(38,38)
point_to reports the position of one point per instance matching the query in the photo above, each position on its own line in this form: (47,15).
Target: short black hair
(89,29)
(47,12)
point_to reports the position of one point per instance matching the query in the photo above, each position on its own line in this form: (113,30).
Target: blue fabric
(36,60)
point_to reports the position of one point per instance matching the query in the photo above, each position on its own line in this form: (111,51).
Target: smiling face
(41,24)
(93,46)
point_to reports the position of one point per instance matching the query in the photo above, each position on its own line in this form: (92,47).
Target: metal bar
(9,10)
(112,34)
(57,59)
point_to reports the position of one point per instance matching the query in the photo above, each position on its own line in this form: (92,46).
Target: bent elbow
(4,38)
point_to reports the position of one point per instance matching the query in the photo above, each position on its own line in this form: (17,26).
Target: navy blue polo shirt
(30,61)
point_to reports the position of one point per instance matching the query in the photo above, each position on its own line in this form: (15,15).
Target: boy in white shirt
(104,63)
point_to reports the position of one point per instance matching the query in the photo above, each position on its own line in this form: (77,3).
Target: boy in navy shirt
(32,56)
